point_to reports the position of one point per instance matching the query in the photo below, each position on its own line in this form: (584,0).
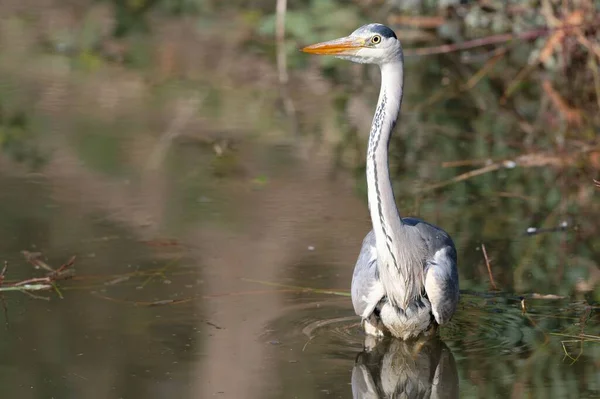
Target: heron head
(369,44)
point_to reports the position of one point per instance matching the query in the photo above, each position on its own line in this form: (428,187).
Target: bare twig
(573,22)
(466,162)
(163,302)
(572,115)
(3,272)
(39,283)
(568,354)
(487,67)
(529,160)
(493,39)
(26,287)
(45,281)
(464,176)
(581,339)
(523,306)
(489,267)
(63,268)
(31,294)
(596,75)
(308,289)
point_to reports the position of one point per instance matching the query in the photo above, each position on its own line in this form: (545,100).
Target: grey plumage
(376,28)
(405,280)
(368,294)
(405,369)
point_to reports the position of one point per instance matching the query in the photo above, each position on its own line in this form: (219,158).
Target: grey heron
(405,282)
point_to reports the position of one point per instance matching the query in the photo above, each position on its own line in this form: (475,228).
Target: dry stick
(489,65)
(525,160)
(493,39)
(61,270)
(164,302)
(34,281)
(594,49)
(465,162)
(516,81)
(29,293)
(464,176)
(550,46)
(41,283)
(3,272)
(161,271)
(26,287)
(307,289)
(489,267)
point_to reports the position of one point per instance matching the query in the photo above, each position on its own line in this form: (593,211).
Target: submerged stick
(316,290)
(489,267)
(26,287)
(38,283)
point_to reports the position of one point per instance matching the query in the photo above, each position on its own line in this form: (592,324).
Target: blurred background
(209,177)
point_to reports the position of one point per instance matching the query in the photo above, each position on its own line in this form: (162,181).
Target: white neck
(396,257)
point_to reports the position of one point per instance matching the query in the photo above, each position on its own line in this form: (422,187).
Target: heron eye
(376,39)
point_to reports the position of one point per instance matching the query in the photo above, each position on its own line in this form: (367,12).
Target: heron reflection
(405,369)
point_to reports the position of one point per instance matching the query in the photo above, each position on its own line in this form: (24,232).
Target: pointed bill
(342,46)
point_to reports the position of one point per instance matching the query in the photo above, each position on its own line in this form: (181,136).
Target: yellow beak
(345,45)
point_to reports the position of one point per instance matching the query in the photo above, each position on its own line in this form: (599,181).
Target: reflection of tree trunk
(293,212)
(298,208)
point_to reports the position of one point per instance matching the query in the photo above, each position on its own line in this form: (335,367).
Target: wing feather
(441,273)
(441,284)
(367,289)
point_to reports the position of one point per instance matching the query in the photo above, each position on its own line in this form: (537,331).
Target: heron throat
(398,257)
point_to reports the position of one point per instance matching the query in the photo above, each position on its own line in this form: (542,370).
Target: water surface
(164,306)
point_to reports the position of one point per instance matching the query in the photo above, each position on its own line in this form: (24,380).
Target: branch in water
(64,272)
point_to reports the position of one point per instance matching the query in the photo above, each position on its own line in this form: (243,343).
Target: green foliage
(317,21)
(98,150)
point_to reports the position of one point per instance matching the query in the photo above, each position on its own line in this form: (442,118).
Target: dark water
(165,307)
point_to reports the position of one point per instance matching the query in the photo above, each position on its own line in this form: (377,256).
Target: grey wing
(367,289)
(441,283)
(445,380)
(441,273)
(363,386)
